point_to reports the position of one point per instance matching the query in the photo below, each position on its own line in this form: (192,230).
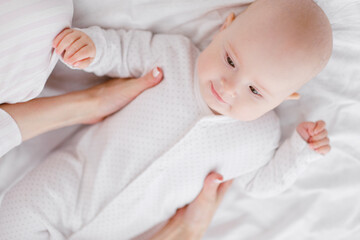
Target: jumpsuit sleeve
(288,162)
(121,53)
(50,203)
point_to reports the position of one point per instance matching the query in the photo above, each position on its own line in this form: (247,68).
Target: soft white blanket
(323,204)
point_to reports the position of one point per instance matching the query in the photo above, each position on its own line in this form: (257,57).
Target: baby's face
(251,66)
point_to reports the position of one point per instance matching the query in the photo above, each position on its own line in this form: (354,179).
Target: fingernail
(155,72)
(76,64)
(217,181)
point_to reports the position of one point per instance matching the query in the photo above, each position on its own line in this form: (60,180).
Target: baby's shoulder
(268,127)
(269,121)
(175,44)
(175,39)
(272,119)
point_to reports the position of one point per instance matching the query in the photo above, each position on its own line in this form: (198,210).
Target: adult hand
(87,106)
(191,221)
(111,96)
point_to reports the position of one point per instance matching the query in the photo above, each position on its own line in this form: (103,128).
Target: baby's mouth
(216,94)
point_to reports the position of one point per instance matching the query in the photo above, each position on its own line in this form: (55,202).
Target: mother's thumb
(153,77)
(211,184)
(138,85)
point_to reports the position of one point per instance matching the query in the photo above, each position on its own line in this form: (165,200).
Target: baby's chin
(214,107)
(232,112)
(237,116)
(215,112)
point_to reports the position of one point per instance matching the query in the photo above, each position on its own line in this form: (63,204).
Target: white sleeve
(287,164)
(10,135)
(120,53)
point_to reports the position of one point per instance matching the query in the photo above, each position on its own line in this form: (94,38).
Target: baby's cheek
(208,61)
(201,62)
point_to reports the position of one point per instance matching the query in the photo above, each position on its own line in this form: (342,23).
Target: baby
(212,111)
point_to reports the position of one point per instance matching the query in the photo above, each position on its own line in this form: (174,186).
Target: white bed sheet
(324,202)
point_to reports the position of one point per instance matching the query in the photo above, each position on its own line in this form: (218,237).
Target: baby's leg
(42,205)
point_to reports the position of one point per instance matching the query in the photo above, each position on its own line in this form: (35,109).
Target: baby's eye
(230,61)
(254,91)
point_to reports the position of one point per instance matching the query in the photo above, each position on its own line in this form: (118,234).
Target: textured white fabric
(119,178)
(10,134)
(310,209)
(185,17)
(26,55)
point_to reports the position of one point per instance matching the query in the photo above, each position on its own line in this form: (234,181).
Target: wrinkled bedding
(324,202)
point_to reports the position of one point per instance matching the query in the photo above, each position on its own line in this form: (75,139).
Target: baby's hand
(76,47)
(315,135)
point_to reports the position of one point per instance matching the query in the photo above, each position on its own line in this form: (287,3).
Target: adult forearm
(44,114)
(175,230)
(87,106)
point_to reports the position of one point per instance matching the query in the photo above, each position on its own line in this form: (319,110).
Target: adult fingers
(222,190)
(211,185)
(137,86)
(152,78)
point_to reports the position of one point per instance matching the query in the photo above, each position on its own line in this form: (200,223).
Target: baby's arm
(124,53)
(289,161)
(76,47)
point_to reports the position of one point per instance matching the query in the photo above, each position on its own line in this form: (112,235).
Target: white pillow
(27,30)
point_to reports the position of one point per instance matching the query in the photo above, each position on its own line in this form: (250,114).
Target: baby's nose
(229,87)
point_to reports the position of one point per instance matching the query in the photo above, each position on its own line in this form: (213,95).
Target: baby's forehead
(285,35)
(277,14)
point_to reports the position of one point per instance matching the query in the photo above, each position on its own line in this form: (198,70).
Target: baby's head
(263,56)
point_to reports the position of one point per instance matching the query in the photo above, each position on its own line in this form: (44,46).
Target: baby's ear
(228,21)
(293,96)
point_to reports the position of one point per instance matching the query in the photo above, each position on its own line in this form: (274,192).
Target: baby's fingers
(320,126)
(305,129)
(73,48)
(61,36)
(320,143)
(319,136)
(83,53)
(323,150)
(83,63)
(67,41)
